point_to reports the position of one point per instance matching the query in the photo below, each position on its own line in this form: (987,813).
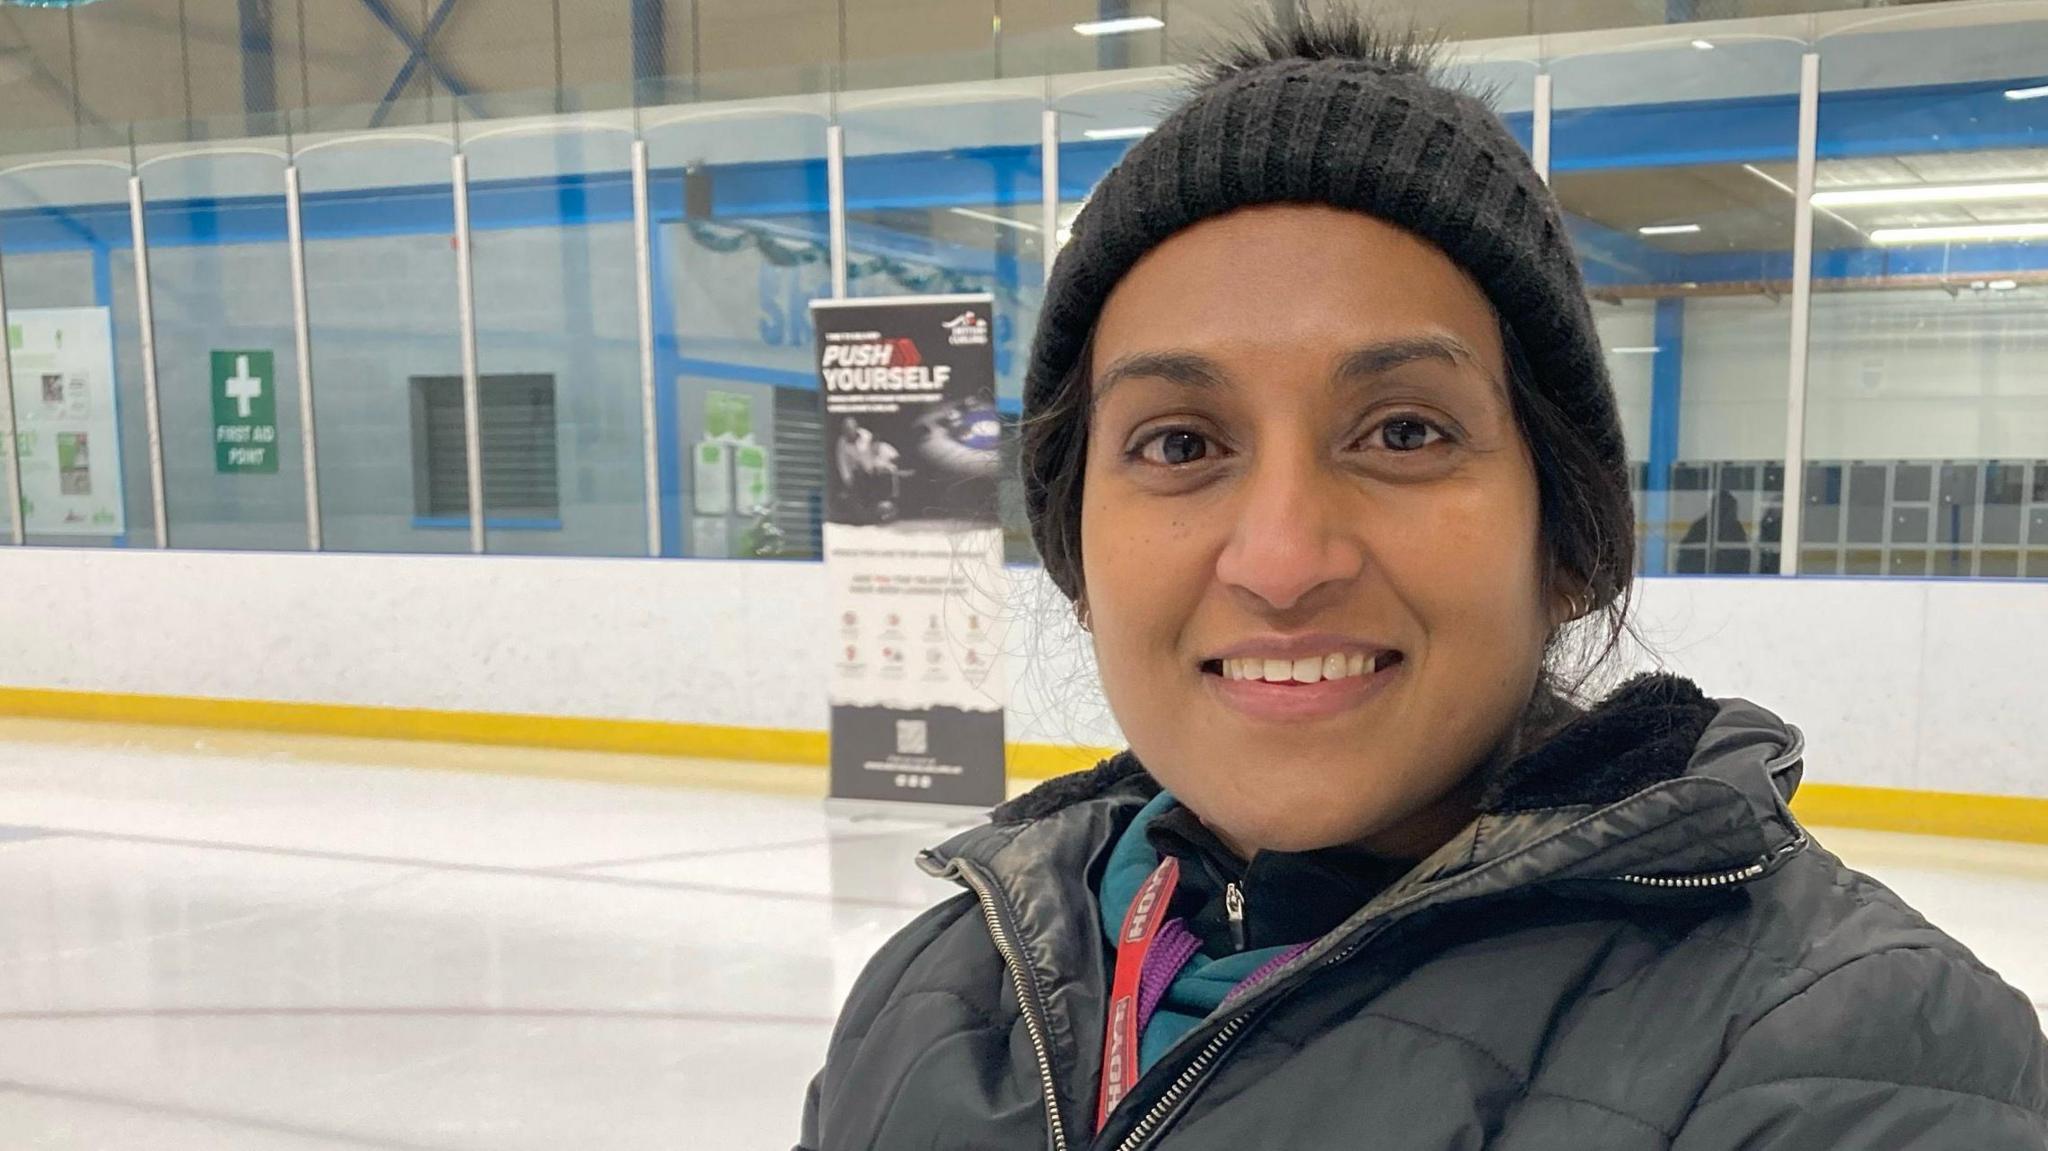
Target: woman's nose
(1294,531)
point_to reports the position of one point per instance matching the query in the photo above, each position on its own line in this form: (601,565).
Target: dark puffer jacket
(1635,946)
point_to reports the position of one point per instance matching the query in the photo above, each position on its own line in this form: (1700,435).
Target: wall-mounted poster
(66,423)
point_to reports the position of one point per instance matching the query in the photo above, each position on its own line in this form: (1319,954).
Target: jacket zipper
(1721,879)
(1027,997)
(1163,1106)
(1233,906)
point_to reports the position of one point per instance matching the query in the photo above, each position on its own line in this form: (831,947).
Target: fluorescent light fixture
(2034,93)
(1961,233)
(1931,194)
(2003,285)
(1131,133)
(992,218)
(1646,350)
(1668,230)
(1704,45)
(1119,26)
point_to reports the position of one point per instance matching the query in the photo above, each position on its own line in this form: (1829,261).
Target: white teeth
(1310,669)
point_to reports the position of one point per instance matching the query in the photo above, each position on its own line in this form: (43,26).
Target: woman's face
(1310,530)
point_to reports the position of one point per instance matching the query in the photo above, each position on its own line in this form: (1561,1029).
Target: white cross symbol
(244,388)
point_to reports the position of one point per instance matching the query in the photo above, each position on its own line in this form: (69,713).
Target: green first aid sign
(244,412)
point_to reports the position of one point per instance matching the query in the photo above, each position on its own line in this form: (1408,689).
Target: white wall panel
(1897,683)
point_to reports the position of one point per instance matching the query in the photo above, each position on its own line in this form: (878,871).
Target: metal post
(1539,126)
(643,282)
(146,321)
(303,338)
(1802,306)
(835,190)
(1049,187)
(472,407)
(9,445)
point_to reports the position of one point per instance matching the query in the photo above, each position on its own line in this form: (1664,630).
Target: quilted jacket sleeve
(877,984)
(1910,1049)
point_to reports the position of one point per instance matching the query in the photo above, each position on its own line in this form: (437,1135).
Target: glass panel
(886,46)
(558,339)
(227,368)
(742,246)
(1098,123)
(1041,38)
(76,351)
(943,195)
(379,219)
(1930,275)
(1674,165)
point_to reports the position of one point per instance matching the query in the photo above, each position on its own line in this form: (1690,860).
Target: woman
(1319,443)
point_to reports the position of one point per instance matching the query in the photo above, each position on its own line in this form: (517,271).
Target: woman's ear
(1569,600)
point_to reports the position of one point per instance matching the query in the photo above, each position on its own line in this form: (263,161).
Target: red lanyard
(1133,943)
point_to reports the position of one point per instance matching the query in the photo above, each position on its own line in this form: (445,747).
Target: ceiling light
(2034,93)
(1120,25)
(1116,133)
(1646,350)
(992,218)
(1668,230)
(1961,234)
(1930,194)
(1704,45)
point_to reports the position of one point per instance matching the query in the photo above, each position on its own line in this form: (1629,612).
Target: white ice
(234,942)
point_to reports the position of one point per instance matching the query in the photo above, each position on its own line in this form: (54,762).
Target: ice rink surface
(233,942)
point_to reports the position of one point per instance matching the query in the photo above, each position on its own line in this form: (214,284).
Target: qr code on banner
(913,737)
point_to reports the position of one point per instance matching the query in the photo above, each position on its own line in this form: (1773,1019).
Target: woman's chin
(1276,822)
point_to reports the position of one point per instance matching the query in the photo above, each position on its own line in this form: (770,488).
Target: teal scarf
(1201,986)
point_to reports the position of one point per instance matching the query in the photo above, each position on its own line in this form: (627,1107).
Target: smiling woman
(1319,443)
(1298,462)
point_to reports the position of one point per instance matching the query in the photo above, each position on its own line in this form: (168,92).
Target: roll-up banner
(913,547)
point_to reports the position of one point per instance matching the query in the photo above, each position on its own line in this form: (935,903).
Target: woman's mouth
(1298,690)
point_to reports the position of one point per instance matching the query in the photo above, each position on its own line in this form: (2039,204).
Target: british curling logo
(967,328)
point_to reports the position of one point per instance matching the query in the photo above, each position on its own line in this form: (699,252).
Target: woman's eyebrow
(1194,370)
(1188,369)
(1380,358)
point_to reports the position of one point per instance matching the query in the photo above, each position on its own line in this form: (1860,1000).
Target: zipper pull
(1233,906)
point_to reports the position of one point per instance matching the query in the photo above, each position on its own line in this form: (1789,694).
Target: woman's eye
(1406,435)
(1175,448)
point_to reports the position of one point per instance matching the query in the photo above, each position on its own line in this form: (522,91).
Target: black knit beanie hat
(1335,113)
